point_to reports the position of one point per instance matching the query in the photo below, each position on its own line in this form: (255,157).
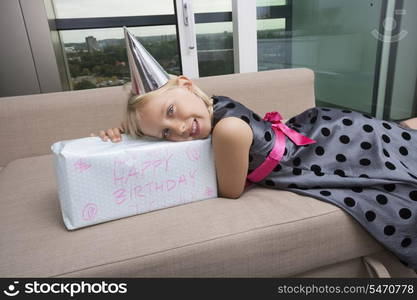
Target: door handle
(188,17)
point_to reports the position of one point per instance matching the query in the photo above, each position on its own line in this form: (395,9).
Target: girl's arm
(231,139)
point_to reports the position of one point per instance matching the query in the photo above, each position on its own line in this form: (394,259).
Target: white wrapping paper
(101,181)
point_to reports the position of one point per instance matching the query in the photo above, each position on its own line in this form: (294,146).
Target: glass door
(206,37)
(334,38)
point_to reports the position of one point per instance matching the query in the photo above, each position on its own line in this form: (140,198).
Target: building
(92,44)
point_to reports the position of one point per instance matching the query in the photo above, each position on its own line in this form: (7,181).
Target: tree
(84,84)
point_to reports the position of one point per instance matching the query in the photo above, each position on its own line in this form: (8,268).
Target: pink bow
(275,118)
(277,152)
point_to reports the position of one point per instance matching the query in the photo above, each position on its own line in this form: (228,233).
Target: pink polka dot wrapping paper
(101,181)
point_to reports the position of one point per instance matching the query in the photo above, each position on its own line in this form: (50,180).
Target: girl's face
(176,114)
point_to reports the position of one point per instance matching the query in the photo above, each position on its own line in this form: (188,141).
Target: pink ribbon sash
(281,130)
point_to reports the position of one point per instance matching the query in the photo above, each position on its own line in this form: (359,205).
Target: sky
(117,8)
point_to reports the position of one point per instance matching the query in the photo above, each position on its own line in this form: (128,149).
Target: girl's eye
(166,130)
(170,109)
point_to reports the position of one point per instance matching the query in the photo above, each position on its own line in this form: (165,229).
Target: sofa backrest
(30,124)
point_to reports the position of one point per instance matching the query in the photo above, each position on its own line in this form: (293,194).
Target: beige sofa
(264,233)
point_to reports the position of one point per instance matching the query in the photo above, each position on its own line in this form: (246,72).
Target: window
(273,33)
(214,39)
(92,38)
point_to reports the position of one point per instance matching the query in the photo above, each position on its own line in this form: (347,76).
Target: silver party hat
(145,72)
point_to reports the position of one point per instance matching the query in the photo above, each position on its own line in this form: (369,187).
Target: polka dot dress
(364,165)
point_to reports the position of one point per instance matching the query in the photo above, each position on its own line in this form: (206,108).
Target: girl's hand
(113,134)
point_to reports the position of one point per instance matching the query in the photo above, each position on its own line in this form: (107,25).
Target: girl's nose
(181,128)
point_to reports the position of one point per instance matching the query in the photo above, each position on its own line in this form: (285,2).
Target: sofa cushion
(263,233)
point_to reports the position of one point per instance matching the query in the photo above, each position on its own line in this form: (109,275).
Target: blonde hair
(136,102)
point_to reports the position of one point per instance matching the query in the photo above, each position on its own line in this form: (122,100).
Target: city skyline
(110,8)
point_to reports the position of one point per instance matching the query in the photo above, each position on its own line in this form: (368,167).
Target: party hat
(145,72)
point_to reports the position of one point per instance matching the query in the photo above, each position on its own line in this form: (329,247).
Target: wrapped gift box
(101,181)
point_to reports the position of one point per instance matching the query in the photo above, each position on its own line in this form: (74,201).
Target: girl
(362,164)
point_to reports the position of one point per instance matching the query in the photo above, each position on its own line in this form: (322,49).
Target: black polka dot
(366,145)
(405,213)
(269,182)
(325,193)
(365,162)
(389,187)
(357,189)
(370,215)
(245,118)
(250,158)
(313,120)
(386,125)
(367,116)
(315,168)
(277,168)
(325,131)
(381,199)
(367,128)
(346,111)
(319,150)
(344,139)
(347,122)
(390,165)
(389,230)
(268,136)
(256,117)
(406,242)
(403,262)
(385,153)
(297,125)
(325,109)
(413,195)
(231,105)
(406,136)
(349,201)
(296,161)
(339,172)
(293,185)
(318,173)
(403,150)
(327,118)
(296,171)
(386,138)
(340,158)
(285,151)
(364,175)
